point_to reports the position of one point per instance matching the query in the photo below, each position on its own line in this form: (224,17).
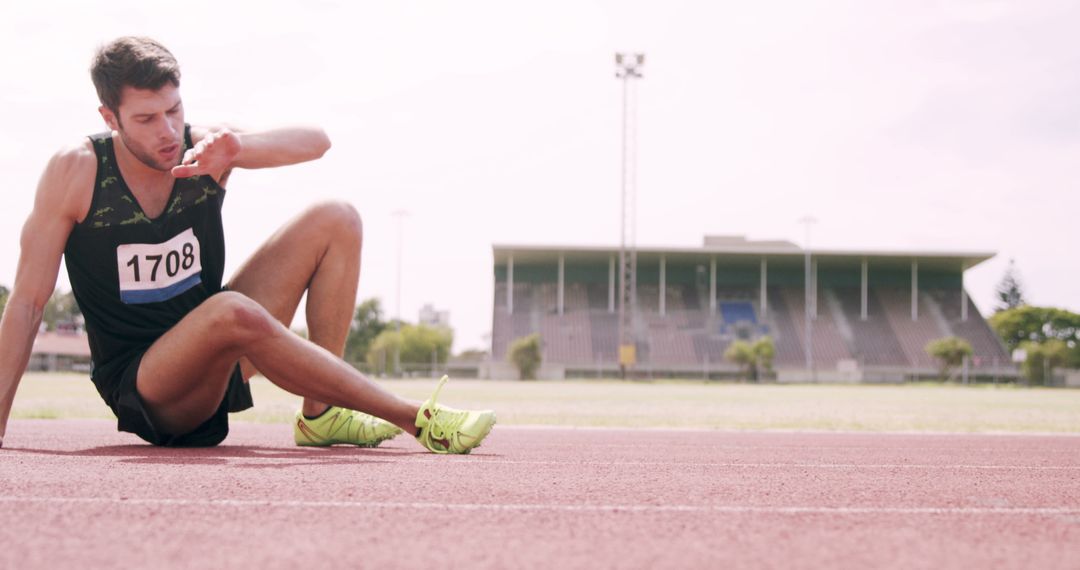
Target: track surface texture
(75,493)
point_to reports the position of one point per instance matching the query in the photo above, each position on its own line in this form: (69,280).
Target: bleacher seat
(688,335)
(737,311)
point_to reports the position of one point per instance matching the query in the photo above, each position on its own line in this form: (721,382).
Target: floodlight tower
(628,68)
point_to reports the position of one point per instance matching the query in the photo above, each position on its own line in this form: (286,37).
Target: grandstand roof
(62,343)
(738,247)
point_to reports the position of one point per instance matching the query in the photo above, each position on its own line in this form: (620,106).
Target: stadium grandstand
(871,313)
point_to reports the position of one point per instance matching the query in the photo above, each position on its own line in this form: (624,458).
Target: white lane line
(474,460)
(754,465)
(519,507)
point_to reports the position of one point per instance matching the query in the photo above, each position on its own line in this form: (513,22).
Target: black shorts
(132,416)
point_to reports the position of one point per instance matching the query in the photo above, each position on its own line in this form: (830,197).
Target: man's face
(151,125)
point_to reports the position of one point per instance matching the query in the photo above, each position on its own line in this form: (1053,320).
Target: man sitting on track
(136,214)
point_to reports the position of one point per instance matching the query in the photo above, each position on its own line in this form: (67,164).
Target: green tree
(380,355)
(1041,360)
(741,353)
(413,344)
(367,324)
(1038,325)
(61,308)
(419,343)
(524,353)
(754,358)
(950,353)
(765,352)
(472,355)
(1010,293)
(4,294)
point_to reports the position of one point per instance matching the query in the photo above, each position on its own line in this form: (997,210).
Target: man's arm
(220,149)
(42,243)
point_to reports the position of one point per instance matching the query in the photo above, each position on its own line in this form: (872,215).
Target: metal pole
(628,67)
(561,294)
(611,284)
(623,285)
(400,215)
(806,316)
(865,286)
(663,284)
(764,288)
(808,221)
(510,284)
(963,297)
(914,289)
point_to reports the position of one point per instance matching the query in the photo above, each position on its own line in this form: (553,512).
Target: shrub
(1041,360)
(950,353)
(752,358)
(525,355)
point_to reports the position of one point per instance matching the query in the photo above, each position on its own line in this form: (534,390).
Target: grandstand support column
(663,284)
(562,283)
(808,287)
(764,287)
(963,297)
(813,288)
(808,292)
(611,285)
(510,284)
(914,289)
(865,288)
(712,286)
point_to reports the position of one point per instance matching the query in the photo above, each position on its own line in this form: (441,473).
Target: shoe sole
(330,443)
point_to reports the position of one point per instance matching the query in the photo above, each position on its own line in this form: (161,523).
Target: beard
(147,156)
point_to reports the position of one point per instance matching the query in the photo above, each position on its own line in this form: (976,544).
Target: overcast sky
(898,124)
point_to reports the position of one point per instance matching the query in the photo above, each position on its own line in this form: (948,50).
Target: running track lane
(78,494)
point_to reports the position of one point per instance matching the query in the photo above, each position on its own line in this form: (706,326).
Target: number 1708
(174,262)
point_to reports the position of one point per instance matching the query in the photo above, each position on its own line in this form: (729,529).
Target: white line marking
(756,465)
(475,460)
(728,509)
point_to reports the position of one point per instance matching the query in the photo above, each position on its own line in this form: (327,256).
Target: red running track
(78,494)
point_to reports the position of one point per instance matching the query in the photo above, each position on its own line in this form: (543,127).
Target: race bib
(151,273)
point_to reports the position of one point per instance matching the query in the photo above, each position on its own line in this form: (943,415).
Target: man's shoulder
(68,180)
(75,154)
(73,164)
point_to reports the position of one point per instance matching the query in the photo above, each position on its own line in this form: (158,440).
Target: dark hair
(131,61)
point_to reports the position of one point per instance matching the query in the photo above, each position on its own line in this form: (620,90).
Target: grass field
(681,404)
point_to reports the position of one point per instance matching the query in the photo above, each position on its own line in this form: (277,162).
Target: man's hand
(213,155)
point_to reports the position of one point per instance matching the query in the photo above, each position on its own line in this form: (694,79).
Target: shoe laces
(347,426)
(443,422)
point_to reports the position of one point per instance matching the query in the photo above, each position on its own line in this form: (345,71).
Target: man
(136,215)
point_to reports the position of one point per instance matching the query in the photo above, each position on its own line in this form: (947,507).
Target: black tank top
(135,277)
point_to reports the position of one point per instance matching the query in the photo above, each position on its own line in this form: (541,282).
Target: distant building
(862,316)
(60,351)
(431,317)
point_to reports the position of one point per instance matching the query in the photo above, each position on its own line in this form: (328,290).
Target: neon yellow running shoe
(339,425)
(446,430)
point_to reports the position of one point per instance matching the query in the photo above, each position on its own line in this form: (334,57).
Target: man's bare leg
(183,376)
(318,252)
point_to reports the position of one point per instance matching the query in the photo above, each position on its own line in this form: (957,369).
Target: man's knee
(240,318)
(340,219)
